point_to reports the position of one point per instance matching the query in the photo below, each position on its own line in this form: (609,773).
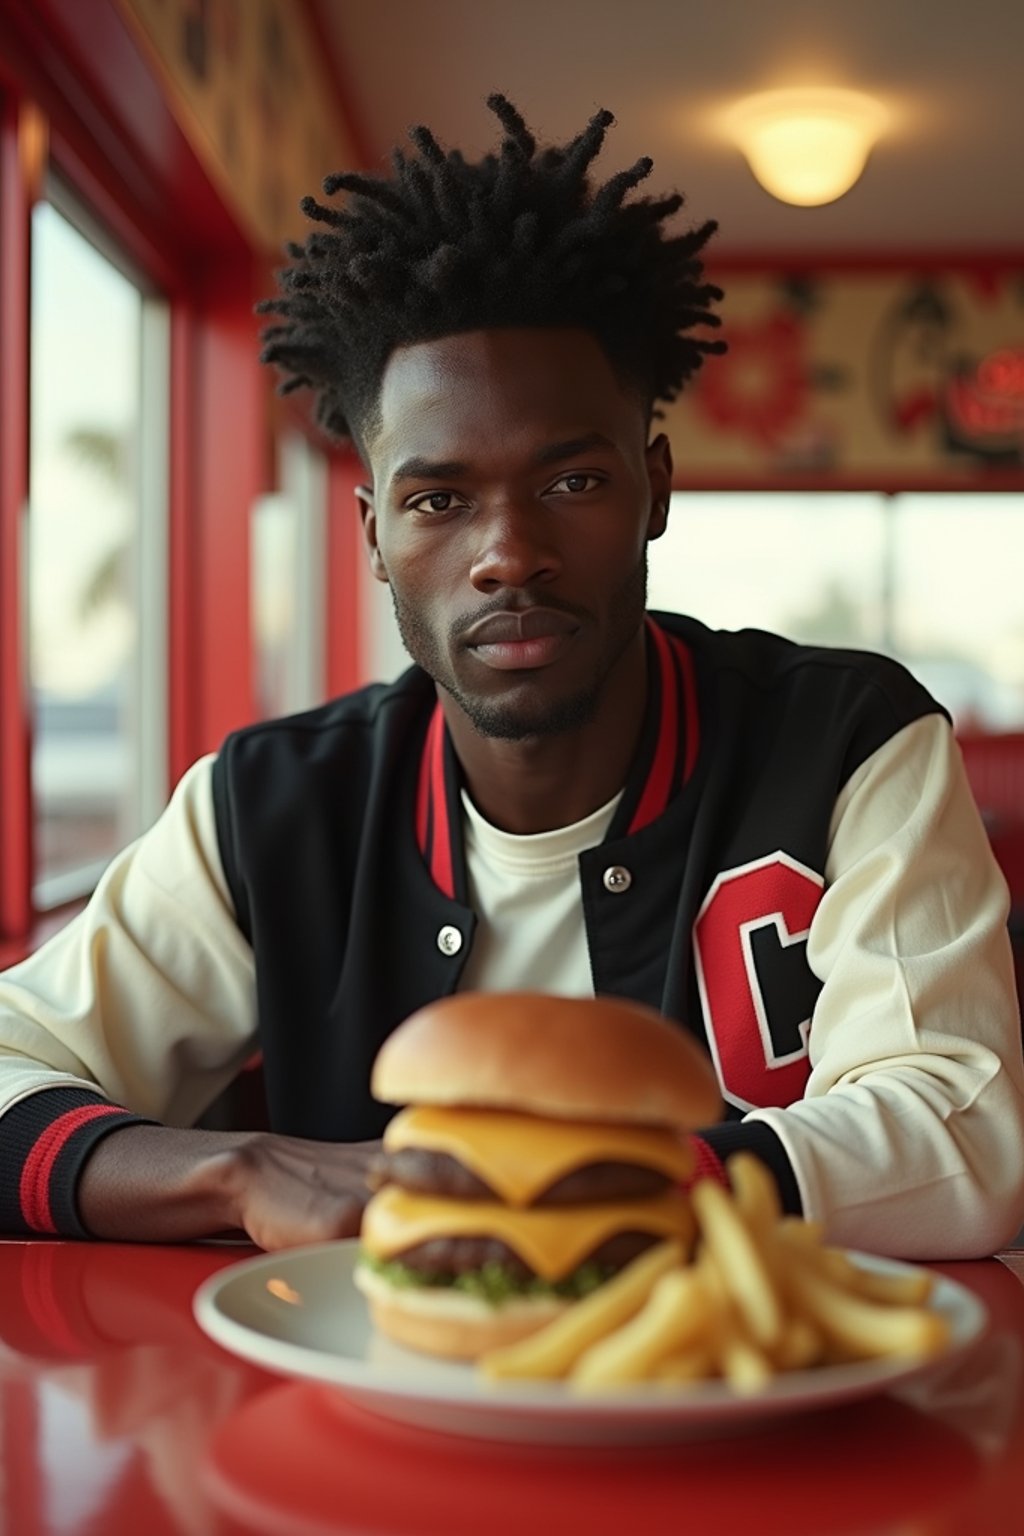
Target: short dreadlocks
(516,239)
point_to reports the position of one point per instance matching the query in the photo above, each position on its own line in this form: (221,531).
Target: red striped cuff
(34,1185)
(706,1164)
(45,1141)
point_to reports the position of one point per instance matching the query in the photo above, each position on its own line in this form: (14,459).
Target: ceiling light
(806,146)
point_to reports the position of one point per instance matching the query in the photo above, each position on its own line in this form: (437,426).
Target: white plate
(299,1313)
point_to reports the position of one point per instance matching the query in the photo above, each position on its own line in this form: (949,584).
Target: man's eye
(576,483)
(434,501)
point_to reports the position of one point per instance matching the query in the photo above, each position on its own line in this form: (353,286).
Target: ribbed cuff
(754,1136)
(44,1142)
(706,1163)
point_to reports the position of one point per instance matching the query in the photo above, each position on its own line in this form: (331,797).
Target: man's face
(513,499)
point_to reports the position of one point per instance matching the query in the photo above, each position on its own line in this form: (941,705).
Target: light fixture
(806,146)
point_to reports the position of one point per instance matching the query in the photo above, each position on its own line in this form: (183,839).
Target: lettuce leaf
(493,1283)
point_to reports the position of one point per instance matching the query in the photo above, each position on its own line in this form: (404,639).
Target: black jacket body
(339,831)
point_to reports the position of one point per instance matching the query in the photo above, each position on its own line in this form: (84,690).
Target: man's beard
(503,720)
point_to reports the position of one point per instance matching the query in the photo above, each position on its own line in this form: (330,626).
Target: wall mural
(862,374)
(872,375)
(248,87)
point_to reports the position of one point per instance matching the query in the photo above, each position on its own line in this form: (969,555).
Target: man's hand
(149,1183)
(289,1191)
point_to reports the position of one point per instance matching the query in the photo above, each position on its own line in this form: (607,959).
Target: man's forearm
(149,1183)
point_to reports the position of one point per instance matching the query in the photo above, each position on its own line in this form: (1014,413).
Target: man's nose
(517,546)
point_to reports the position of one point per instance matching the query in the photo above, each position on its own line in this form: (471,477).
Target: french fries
(743,1265)
(678,1315)
(761,1295)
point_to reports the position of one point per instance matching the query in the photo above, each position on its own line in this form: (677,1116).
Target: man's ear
(659,477)
(368,514)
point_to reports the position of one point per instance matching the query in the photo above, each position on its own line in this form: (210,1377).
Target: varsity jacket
(795,872)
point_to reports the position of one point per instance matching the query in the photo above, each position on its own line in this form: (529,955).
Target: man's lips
(522,639)
(520,625)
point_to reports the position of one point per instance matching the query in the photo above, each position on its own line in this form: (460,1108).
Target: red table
(117,1415)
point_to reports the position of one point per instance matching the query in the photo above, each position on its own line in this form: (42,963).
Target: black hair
(518,238)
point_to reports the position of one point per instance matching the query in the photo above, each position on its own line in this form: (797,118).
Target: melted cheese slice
(521,1156)
(553,1240)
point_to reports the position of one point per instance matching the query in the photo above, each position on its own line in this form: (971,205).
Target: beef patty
(437,1173)
(458,1255)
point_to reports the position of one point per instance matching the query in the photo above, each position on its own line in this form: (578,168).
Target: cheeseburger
(542,1146)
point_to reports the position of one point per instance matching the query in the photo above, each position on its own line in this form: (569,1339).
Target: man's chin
(528,720)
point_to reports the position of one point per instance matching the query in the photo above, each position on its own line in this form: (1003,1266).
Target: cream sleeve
(147,995)
(910,1138)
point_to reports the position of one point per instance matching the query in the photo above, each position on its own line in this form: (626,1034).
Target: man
(775,846)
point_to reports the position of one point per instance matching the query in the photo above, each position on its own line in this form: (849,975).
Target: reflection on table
(118,1415)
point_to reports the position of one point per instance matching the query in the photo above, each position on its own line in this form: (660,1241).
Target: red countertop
(118,1415)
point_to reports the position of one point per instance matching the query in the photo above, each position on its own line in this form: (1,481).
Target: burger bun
(598,1058)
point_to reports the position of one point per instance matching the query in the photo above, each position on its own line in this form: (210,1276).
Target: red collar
(664,763)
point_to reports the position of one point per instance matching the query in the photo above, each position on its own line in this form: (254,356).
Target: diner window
(288,576)
(959,622)
(932,580)
(97,578)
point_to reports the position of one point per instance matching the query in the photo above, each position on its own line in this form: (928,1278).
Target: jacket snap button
(449,940)
(616,879)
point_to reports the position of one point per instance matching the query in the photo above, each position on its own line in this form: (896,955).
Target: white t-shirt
(525,890)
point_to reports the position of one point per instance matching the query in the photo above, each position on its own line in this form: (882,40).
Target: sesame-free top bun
(572,1058)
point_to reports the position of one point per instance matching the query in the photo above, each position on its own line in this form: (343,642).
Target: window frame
(22,135)
(162,219)
(81,93)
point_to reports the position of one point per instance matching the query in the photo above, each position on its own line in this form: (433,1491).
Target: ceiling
(947,179)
